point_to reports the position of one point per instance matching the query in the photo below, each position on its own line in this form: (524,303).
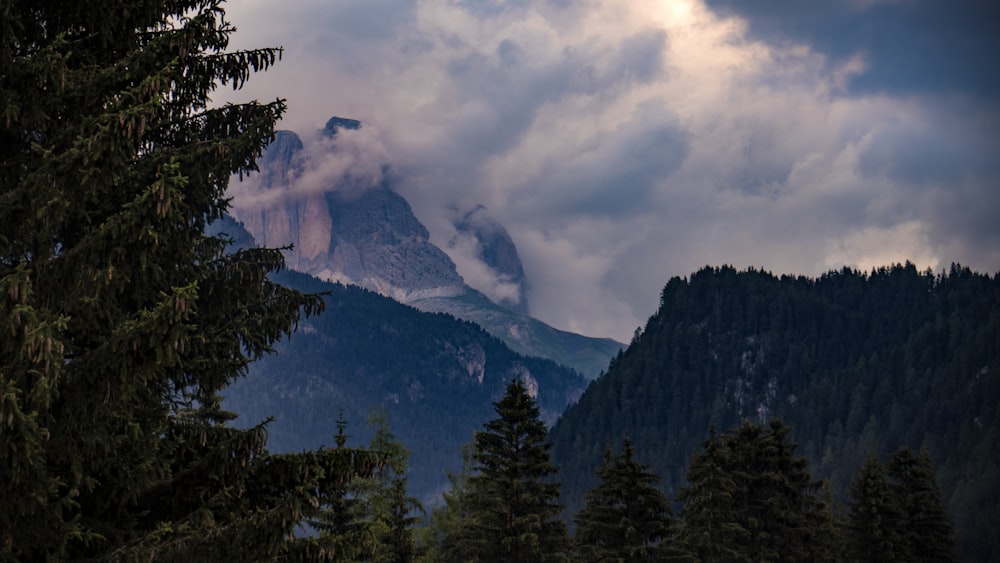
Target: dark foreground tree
(625,518)
(711,529)
(927,530)
(874,532)
(443,539)
(342,521)
(121,320)
(511,497)
(751,499)
(390,511)
(896,512)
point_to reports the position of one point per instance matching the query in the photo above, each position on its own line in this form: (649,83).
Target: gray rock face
(281,163)
(526,335)
(335,124)
(367,237)
(376,242)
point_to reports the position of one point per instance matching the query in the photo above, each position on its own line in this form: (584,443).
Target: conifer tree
(712,529)
(896,512)
(122,320)
(831,536)
(625,518)
(751,499)
(391,511)
(874,530)
(511,500)
(444,539)
(926,531)
(395,541)
(342,523)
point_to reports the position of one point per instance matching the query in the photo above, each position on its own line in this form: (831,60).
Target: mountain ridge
(856,364)
(356,230)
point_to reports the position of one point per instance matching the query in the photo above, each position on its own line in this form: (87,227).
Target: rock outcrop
(366,236)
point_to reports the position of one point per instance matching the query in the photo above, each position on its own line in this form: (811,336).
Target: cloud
(350,162)
(622,142)
(911,46)
(464,251)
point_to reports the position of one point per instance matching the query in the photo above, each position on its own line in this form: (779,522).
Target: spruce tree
(926,531)
(712,529)
(896,512)
(751,499)
(391,511)
(831,536)
(342,523)
(122,320)
(625,518)
(511,500)
(444,538)
(874,529)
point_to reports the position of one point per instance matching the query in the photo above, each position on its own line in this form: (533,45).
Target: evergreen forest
(749,496)
(857,364)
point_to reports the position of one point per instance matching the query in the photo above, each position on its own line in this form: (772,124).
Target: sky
(624,142)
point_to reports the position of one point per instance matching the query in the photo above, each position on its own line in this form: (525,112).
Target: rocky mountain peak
(365,236)
(335,124)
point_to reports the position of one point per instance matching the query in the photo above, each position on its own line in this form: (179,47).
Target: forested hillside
(435,376)
(855,363)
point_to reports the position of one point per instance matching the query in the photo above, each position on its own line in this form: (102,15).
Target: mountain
(435,377)
(350,227)
(856,364)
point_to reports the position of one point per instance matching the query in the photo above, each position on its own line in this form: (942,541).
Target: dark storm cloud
(942,150)
(923,46)
(508,87)
(618,176)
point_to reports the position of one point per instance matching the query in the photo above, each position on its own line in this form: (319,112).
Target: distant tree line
(749,498)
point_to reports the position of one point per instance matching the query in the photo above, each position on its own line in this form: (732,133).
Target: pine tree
(712,529)
(751,499)
(625,518)
(444,538)
(342,523)
(511,500)
(927,533)
(874,530)
(391,511)
(122,320)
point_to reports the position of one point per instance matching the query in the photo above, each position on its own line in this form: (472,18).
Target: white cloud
(464,251)
(353,161)
(624,142)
